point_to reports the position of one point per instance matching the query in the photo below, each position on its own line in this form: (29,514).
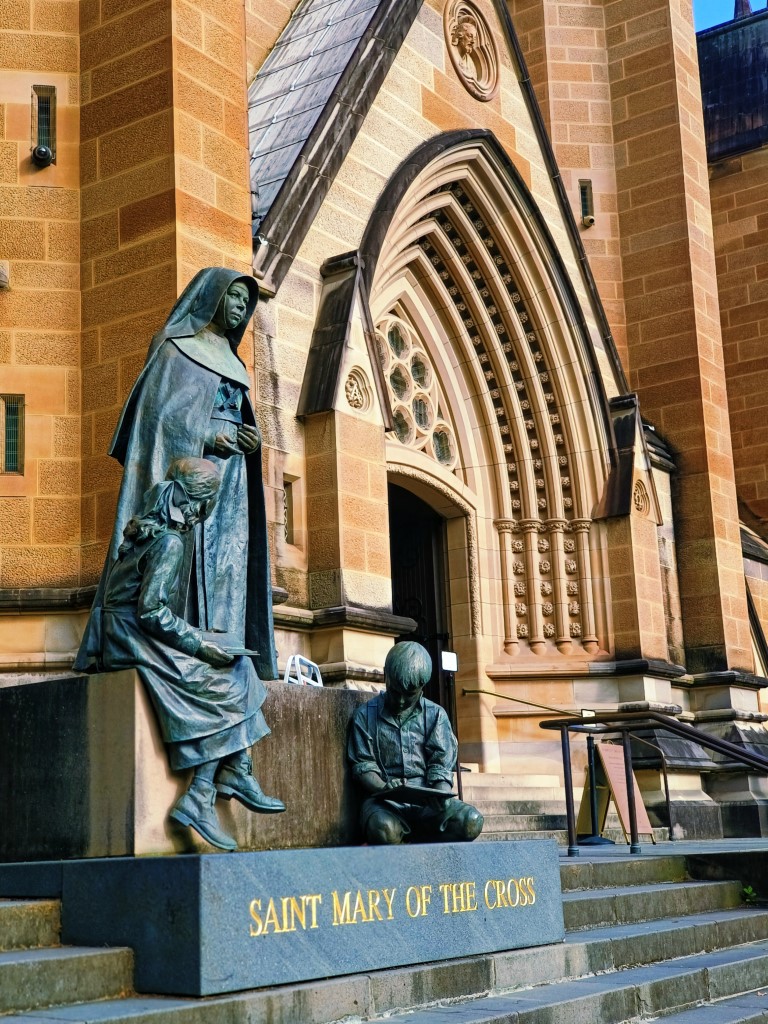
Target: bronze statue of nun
(191,400)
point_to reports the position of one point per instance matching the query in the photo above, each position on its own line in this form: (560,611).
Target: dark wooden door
(417,552)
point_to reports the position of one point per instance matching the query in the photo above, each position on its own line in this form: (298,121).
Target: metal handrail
(626,722)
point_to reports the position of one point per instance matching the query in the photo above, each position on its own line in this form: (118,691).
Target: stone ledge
(46,599)
(102,786)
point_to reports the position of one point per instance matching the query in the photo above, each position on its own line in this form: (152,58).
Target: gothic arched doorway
(417,554)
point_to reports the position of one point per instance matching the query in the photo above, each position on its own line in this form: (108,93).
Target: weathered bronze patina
(193,537)
(403,753)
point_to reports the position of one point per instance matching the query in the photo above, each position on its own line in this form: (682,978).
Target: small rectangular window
(44,123)
(11,433)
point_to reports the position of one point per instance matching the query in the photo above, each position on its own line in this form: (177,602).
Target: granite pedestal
(222,923)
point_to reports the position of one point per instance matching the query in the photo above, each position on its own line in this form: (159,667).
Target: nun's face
(233,307)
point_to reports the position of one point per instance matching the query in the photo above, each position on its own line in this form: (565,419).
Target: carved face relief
(466,36)
(472,49)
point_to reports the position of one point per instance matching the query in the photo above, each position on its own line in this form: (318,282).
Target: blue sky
(715,12)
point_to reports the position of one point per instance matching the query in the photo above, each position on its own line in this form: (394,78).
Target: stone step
(627,870)
(638,993)
(560,837)
(605,952)
(29,924)
(32,978)
(622,904)
(524,823)
(493,805)
(741,1009)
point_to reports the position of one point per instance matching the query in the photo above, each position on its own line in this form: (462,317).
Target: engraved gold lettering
(313,901)
(254,908)
(490,885)
(501,893)
(270,918)
(342,913)
(359,911)
(374,898)
(459,897)
(445,892)
(471,896)
(298,912)
(389,895)
(284,916)
(513,902)
(529,885)
(417,899)
(285,902)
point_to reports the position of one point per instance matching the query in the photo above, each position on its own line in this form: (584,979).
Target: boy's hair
(409,665)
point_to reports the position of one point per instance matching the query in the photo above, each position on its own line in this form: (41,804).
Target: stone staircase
(643,941)
(535,819)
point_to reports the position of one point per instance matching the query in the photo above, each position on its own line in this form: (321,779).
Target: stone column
(582,576)
(555,528)
(505,528)
(530,528)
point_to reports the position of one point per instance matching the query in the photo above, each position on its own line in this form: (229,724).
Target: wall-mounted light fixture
(587,203)
(43,125)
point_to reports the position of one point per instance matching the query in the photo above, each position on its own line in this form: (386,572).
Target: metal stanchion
(573,849)
(634,839)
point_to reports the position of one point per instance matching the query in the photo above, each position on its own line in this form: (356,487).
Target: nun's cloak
(192,387)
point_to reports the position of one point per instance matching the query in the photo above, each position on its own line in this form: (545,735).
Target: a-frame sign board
(611,782)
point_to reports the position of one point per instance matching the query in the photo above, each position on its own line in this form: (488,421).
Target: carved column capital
(580,525)
(531,525)
(556,525)
(506,525)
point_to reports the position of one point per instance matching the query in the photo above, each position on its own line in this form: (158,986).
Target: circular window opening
(401,385)
(422,412)
(421,370)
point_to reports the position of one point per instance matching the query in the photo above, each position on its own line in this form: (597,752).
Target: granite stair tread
(638,993)
(622,904)
(31,978)
(609,953)
(29,924)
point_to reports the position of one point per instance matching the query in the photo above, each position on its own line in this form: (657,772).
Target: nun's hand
(248,438)
(224,446)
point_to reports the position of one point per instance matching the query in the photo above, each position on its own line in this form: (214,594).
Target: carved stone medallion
(640,499)
(357,390)
(472,49)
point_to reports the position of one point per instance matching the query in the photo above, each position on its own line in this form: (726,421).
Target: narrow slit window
(44,124)
(11,433)
(288,512)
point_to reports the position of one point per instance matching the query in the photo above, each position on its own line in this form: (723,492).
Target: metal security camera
(42,156)
(588,221)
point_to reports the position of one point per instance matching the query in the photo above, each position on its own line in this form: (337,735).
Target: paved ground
(666,849)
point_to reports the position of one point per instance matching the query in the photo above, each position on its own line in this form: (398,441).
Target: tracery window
(417,403)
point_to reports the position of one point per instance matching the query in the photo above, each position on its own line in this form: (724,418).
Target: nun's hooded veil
(167,416)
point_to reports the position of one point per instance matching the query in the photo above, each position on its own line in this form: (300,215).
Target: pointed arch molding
(458,223)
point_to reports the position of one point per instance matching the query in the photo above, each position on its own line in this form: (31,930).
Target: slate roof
(733,62)
(293,86)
